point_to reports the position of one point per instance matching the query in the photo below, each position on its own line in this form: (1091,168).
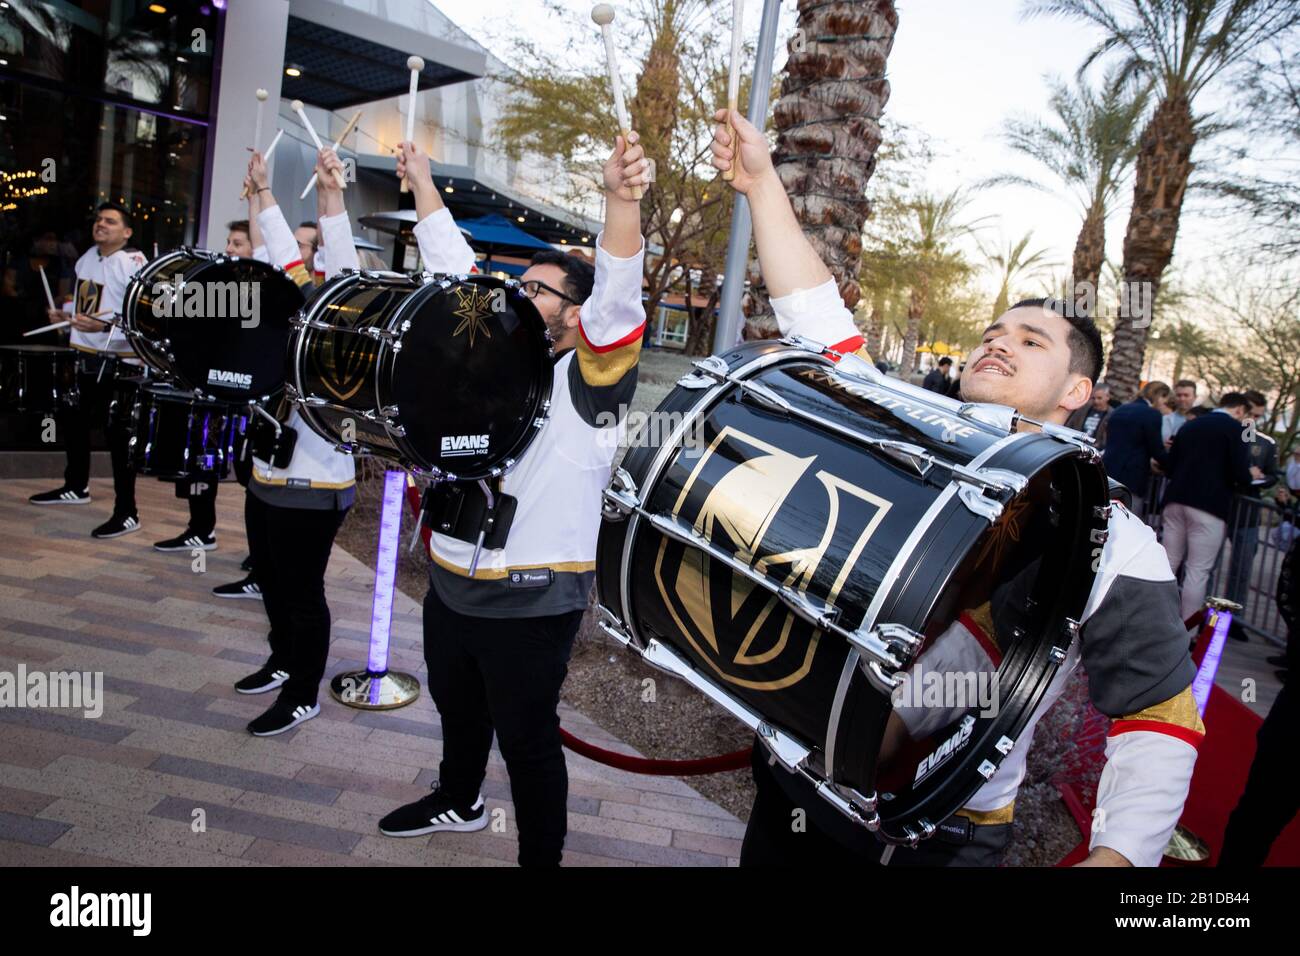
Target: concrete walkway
(170,749)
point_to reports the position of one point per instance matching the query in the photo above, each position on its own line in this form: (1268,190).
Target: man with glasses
(497,644)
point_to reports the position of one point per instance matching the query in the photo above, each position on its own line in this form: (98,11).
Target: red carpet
(1220,776)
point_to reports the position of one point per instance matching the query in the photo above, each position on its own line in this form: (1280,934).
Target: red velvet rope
(643,765)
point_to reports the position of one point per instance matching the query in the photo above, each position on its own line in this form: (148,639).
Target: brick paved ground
(123,788)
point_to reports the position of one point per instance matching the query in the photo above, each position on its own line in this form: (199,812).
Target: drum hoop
(937,507)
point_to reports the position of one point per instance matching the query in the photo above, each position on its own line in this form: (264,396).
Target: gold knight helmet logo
(787,519)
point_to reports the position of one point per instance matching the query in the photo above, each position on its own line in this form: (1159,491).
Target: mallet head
(603,13)
(262,95)
(414,63)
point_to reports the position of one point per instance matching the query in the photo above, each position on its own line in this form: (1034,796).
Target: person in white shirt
(292,514)
(103,273)
(497,644)
(1041,358)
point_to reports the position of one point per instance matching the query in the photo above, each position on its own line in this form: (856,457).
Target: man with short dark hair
(497,640)
(1040,357)
(1133,442)
(1176,417)
(1243,530)
(1207,463)
(102,276)
(937,379)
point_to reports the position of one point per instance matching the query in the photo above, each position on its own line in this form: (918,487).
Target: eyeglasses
(532,287)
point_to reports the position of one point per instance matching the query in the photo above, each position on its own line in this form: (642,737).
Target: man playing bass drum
(292,511)
(497,644)
(1042,359)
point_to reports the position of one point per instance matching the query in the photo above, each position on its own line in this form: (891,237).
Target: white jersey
(101,285)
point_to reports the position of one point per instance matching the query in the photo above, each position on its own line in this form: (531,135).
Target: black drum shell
(805,709)
(169,438)
(231,351)
(461,373)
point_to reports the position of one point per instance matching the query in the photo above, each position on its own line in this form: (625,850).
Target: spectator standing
(937,378)
(1206,465)
(1177,417)
(1244,526)
(1133,441)
(1090,417)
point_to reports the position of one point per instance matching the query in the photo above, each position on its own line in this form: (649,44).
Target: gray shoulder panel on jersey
(594,401)
(1135,647)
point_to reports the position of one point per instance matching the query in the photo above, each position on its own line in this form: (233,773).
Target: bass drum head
(472,376)
(143,315)
(995,631)
(230,326)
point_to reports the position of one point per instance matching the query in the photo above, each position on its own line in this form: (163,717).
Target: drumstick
(257,127)
(415,65)
(733,81)
(311,131)
(337,143)
(603,14)
(267,158)
(49,297)
(62,325)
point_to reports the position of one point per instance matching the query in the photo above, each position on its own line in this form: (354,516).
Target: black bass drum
(37,378)
(214,324)
(176,434)
(809,542)
(447,375)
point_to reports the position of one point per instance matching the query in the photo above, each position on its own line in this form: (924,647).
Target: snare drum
(811,540)
(213,323)
(37,378)
(449,376)
(176,434)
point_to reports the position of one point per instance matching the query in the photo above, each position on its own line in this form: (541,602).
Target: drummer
(103,273)
(292,514)
(1042,359)
(497,645)
(200,491)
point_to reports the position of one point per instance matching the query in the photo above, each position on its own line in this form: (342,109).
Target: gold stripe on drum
(988,817)
(495,574)
(312,484)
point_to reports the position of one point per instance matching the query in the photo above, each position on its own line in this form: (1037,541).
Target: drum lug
(807,344)
(620,498)
(789,753)
(1001,417)
(1102,512)
(612,625)
(765,396)
(709,371)
(973,498)
(885,650)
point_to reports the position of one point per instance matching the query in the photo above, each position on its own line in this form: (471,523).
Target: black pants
(95,393)
(1271,798)
(290,548)
(201,493)
(490,674)
(771,838)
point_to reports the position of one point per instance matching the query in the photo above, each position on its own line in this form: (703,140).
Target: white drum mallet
(296,105)
(603,14)
(257,126)
(416,66)
(733,82)
(337,143)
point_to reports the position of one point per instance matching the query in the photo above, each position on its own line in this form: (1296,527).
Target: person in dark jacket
(1133,441)
(937,379)
(1243,527)
(1208,462)
(1092,416)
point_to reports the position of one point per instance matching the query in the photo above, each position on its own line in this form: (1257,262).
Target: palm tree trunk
(1163,167)
(876,325)
(1090,252)
(915,312)
(828,132)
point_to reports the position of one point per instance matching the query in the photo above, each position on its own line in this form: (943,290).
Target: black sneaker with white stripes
(281,717)
(432,814)
(188,540)
(247,588)
(62,496)
(268,678)
(117,526)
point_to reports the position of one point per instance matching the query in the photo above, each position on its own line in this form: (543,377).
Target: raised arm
(442,246)
(333,225)
(281,246)
(804,295)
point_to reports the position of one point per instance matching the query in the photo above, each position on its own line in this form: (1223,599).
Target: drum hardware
(277,448)
(1102,512)
(482,530)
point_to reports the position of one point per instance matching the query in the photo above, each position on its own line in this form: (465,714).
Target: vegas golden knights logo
(787,518)
(344,360)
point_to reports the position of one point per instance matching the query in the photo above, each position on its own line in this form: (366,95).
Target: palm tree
(936,225)
(1089,145)
(1015,263)
(1180,47)
(833,90)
